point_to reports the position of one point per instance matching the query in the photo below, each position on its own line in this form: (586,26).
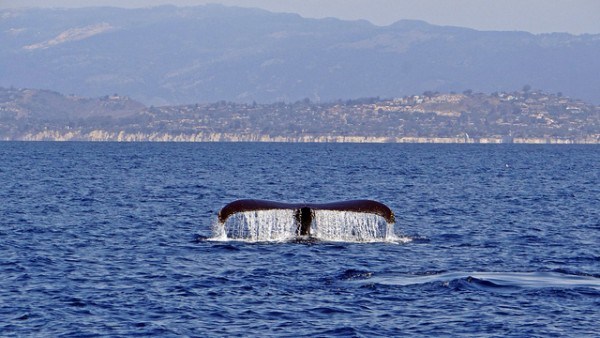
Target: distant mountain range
(170,55)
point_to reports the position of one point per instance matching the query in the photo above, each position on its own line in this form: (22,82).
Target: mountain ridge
(177,55)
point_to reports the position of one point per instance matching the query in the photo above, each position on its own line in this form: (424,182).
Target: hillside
(169,55)
(526,116)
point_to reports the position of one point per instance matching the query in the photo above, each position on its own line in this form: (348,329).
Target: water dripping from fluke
(268,221)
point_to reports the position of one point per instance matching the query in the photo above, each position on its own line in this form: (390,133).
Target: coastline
(122,136)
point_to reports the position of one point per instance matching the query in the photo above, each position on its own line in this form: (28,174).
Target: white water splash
(281,225)
(258,226)
(345,226)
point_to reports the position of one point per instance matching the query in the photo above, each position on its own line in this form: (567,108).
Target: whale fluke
(304,212)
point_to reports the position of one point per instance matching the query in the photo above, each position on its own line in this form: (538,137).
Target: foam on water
(281,225)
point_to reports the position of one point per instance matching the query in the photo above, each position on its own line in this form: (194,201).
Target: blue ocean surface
(114,239)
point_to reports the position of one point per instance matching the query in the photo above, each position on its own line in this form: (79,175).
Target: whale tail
(304,213)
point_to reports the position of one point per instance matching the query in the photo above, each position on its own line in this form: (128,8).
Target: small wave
(200,238)
(353,274)
(493,281)
(345,331)
(328,310)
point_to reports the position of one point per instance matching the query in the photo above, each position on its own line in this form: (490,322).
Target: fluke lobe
(304,212)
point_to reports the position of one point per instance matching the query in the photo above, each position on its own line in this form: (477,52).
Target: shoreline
(122,136)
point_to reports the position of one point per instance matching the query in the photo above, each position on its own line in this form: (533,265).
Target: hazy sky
(536,16)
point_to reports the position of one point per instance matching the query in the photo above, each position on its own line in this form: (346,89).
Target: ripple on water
(492,281)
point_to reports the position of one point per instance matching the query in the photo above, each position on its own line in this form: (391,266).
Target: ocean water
(117,239)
